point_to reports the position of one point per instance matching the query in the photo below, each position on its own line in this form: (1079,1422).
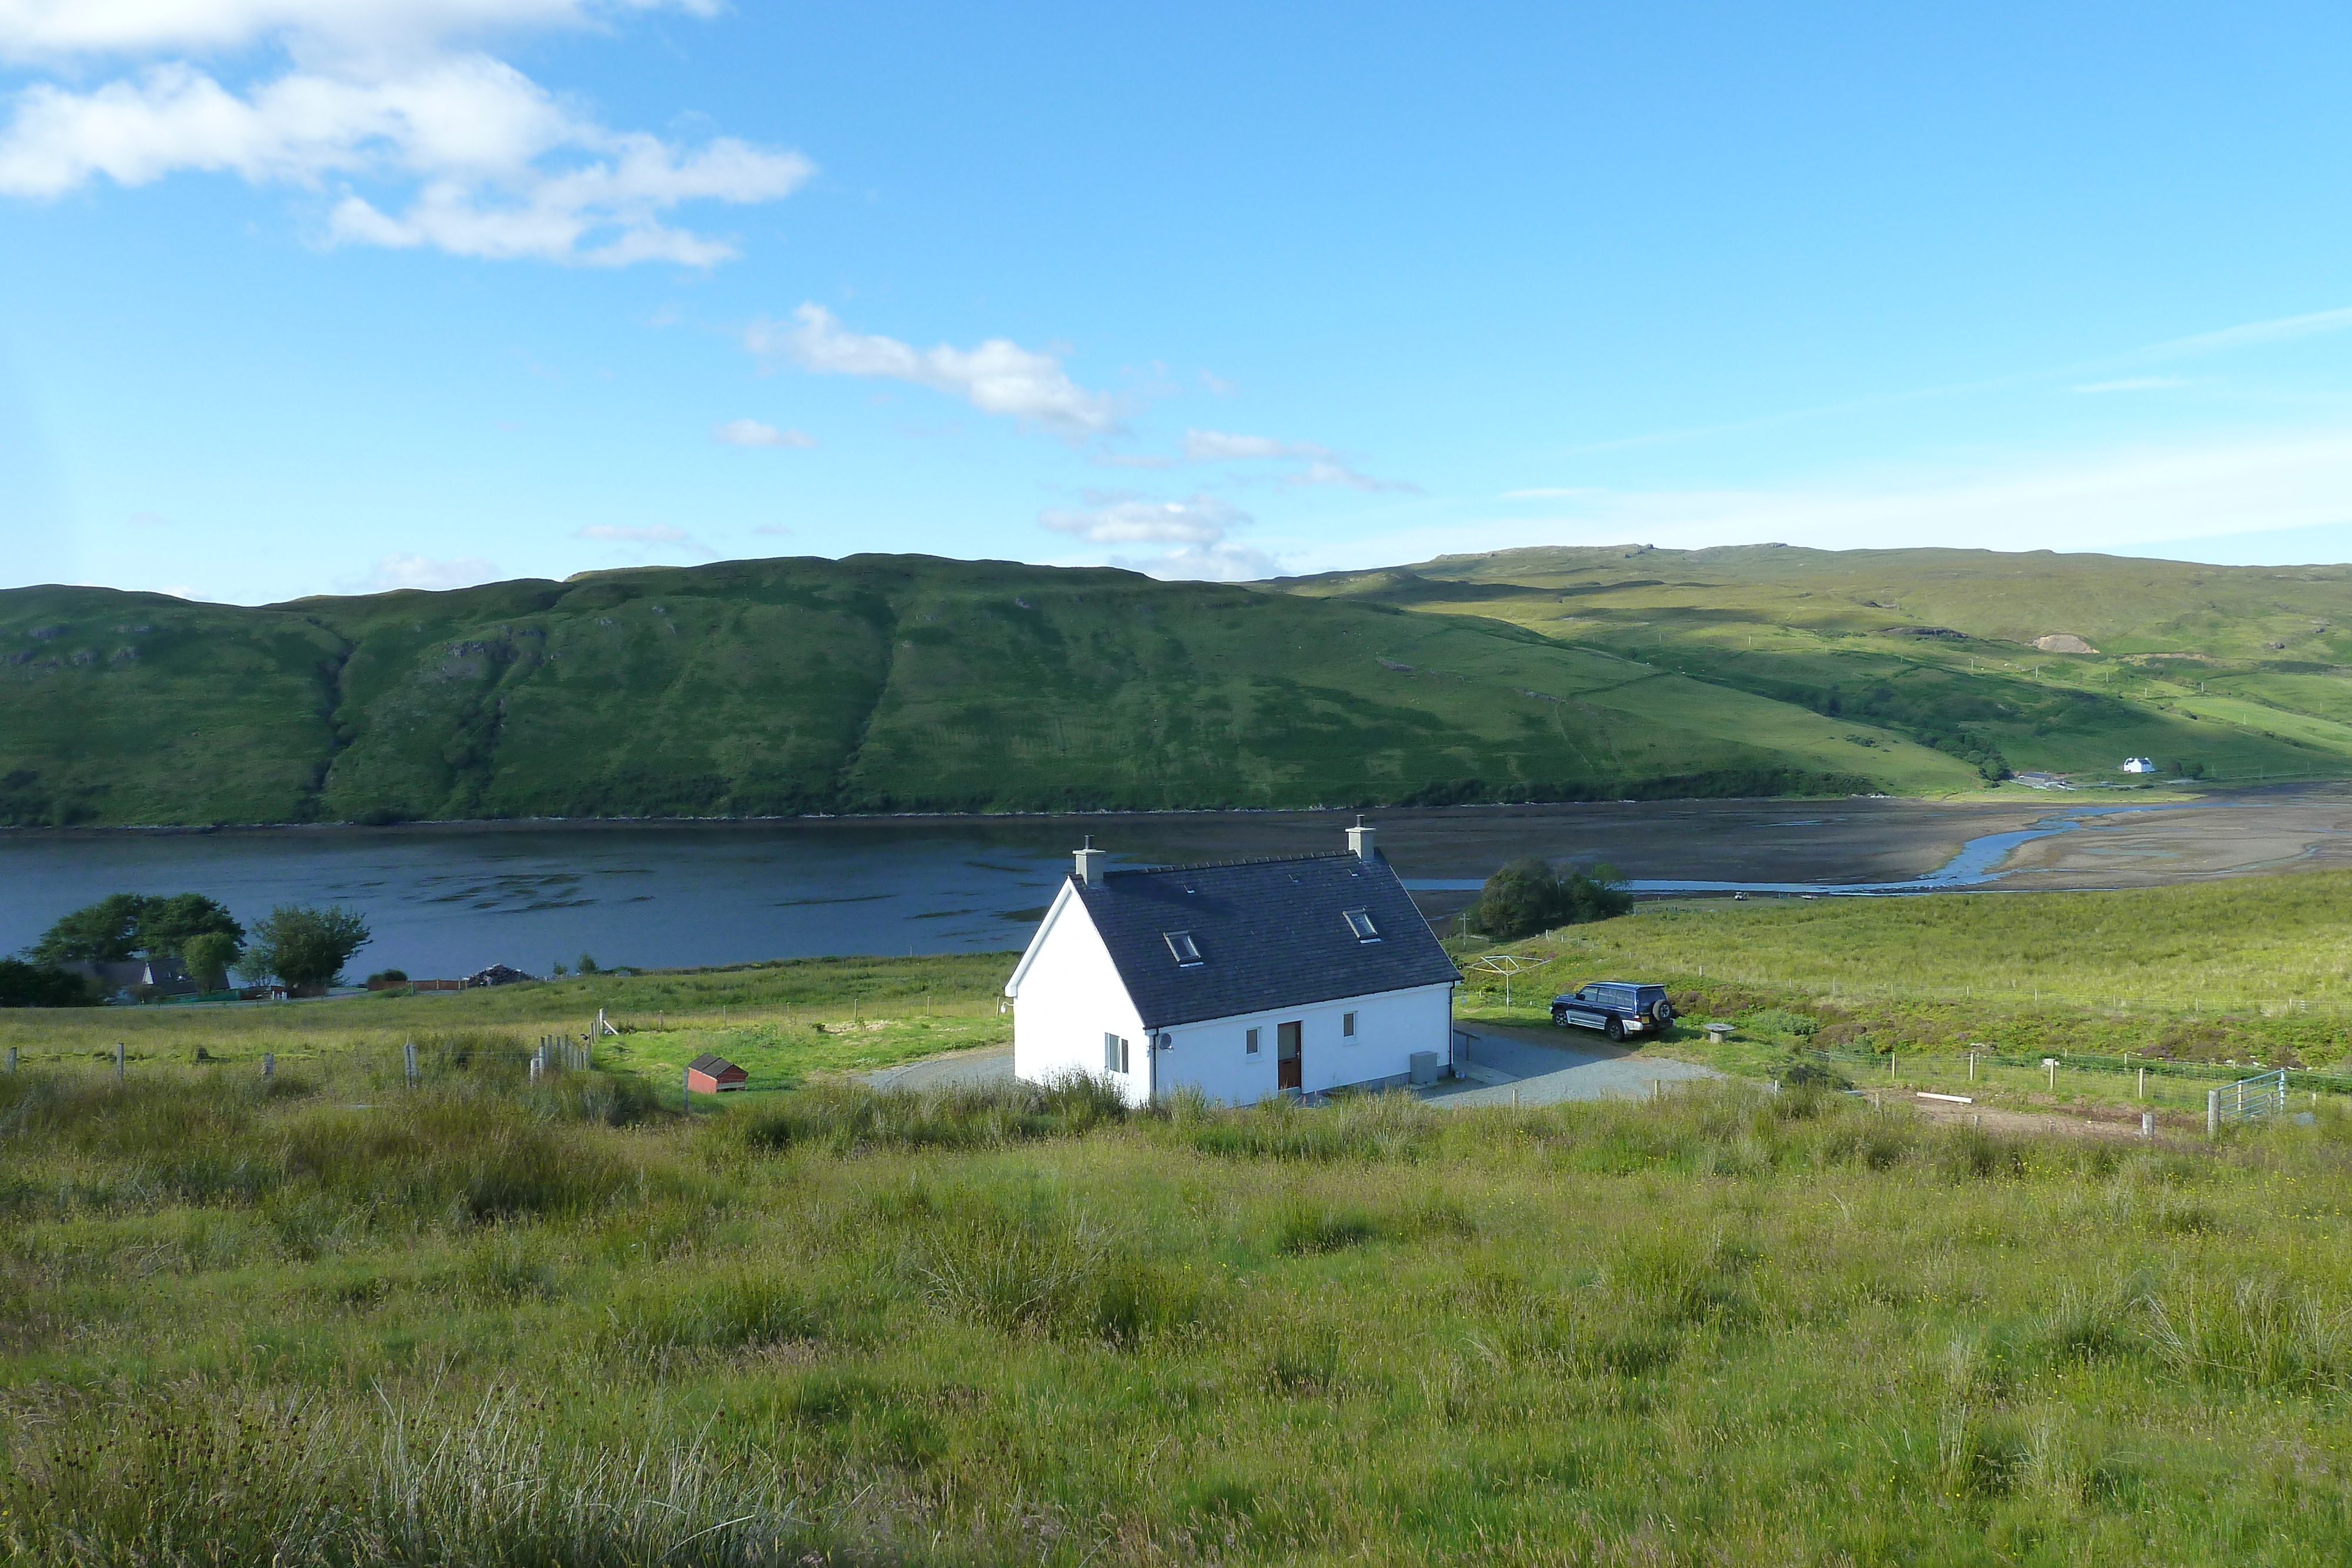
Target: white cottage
(1241,980)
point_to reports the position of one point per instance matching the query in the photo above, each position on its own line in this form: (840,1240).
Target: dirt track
(2172,1131)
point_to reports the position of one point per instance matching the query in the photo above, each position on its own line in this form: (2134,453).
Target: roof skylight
(1360,921)
(1186,951)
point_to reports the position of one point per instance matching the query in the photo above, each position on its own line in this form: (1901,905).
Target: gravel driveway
(1544,1067)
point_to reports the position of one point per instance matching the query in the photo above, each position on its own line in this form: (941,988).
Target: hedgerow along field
(330,1319)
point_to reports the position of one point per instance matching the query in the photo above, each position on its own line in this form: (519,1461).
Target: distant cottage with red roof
(707,1074)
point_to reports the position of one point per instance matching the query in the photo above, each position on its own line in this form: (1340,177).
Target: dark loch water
(445,901)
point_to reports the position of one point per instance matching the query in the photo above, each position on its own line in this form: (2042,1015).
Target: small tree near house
(306,946)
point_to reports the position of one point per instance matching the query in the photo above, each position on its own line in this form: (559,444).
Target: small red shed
(707,1074)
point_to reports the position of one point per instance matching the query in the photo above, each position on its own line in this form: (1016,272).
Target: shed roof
(715,1066)
(1271,934)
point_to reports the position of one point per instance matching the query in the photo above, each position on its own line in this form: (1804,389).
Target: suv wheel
(1616,1030)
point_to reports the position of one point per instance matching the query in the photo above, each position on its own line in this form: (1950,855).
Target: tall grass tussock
(335,1319)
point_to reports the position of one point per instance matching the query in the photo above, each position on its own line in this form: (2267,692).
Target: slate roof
(1271,933)
(713,1066)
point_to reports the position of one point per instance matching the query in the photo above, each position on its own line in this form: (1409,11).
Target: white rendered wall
(1389,1026)
(1067,996)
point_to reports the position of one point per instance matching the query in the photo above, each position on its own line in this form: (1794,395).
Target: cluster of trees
(298,945)
(1528,896)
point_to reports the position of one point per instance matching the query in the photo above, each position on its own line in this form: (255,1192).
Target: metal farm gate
(2262,1096)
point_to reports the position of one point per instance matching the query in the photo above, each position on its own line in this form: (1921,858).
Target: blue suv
(1615,1008)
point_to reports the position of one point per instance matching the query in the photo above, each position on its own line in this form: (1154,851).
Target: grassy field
(874,683)
(2238,670)
(2200,985)
(332,1320)
(783,1021)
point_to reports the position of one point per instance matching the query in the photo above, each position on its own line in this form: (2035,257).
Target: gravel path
(1542,1068)
(963,1070)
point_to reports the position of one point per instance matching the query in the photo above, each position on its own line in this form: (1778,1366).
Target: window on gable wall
(1186,951)
(1249,1043)
(1348,1025)
(1360,921)
(1114,1053)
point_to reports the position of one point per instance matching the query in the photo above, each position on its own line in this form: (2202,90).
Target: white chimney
(1090,859)
(1360,840)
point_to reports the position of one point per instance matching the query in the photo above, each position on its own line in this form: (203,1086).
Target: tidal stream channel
(446,900)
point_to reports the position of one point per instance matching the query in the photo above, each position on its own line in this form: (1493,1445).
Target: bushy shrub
(1526,896)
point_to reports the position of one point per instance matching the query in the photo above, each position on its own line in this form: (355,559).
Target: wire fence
(1894,1062)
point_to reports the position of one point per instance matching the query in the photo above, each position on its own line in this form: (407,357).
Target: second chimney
(1090,866)
(1360,840)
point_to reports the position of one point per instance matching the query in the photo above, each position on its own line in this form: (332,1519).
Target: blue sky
(299,296)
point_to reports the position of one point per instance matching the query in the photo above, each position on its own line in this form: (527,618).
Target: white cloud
(776,529)
(1543,493)
(998,377)
(752,432)
(1212,563)
(54,29)
(660,535)
(1322,465)
(1196,528)
(400,569)
(2277,331)
(1217,446)
(461,151)
(1130,520)
(2134,384)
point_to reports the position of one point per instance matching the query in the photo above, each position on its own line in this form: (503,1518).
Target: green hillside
(901,682)
(874,683)
(2238,672)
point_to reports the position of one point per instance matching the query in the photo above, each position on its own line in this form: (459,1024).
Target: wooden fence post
(12,1059)
(268,1064)
(118,1062)
(408,1061)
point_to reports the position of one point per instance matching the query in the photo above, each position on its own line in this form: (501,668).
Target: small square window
(1114,1054)
(1186,951)
(1360,921)
(1348,1025)
(1249,1043)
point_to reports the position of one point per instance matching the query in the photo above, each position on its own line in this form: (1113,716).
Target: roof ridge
(1222,865)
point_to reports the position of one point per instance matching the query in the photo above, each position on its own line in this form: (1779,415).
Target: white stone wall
(1389,1026)
(1066,995)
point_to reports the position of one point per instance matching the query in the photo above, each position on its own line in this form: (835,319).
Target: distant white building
(2139,765)
(1241,980)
